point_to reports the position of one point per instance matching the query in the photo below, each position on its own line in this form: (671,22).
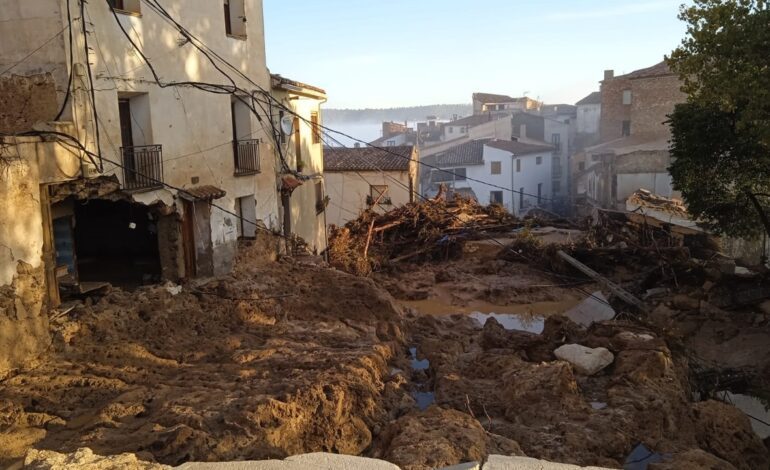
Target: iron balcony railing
(142,167)
(246,156)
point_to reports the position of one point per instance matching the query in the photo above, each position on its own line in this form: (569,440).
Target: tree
(721,136)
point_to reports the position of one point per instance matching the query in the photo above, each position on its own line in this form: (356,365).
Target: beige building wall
(348,192)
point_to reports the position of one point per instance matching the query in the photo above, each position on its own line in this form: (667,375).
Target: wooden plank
(621,293)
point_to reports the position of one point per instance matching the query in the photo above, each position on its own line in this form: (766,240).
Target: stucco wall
(348,192)
(23,318)
(588,118)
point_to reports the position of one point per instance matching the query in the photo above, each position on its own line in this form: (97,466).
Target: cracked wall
(23,314)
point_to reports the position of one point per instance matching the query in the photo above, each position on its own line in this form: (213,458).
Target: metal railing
(246,157)
(142,167)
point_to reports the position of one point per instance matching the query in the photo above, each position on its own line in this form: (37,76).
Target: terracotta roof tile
(368,158)
(593,98)
(658,70)
(518,148)
(475,120)
(467,153)
(205,193)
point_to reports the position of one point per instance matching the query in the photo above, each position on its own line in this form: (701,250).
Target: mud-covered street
(425,365)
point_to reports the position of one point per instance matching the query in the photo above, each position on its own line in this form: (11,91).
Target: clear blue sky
(370,53)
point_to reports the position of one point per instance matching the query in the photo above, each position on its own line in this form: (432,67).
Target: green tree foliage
(721,137)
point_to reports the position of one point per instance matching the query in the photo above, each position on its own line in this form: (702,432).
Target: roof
(493,98)
(368,158)
(473,121)
(205,193)
(558,109)
(293,85)
(630,144)
(468,153)
(593,98)
(518,148)
(658,70)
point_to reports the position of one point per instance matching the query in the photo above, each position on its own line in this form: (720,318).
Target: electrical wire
(26,57)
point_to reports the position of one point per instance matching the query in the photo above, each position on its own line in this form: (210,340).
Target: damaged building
(118,167)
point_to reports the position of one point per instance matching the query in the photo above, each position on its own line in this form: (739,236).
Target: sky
(384,54)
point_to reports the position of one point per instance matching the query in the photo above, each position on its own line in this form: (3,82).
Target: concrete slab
(593,309)
(500,462)
(317,461)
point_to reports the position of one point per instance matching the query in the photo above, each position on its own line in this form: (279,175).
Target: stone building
(132,150)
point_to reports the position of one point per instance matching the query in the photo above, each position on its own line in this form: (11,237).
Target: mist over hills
(410,114)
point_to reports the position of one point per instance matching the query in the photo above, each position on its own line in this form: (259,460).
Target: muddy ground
(322,363)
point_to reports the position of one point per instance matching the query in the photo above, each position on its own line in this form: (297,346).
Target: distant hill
(411,114)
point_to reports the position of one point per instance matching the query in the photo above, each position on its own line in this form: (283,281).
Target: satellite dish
(287,125)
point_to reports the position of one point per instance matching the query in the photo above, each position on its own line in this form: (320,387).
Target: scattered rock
(696,459)
(586,361)
(594,309)
(685,302)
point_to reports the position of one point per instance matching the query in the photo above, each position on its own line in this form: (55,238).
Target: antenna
(287,125)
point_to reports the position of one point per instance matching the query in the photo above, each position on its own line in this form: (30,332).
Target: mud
(200,376)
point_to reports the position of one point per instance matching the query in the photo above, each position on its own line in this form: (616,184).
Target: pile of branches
(417,232)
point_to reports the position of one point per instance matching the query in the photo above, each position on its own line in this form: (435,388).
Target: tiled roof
(468,153)
(658,70)
(205,193)
(368,158)
(492,98)
(279,81)
(558,109)
(593,98)
(518,148)
(473,121)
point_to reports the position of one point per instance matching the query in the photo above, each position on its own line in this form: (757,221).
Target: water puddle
(529,323)
(754,408)
(421,393)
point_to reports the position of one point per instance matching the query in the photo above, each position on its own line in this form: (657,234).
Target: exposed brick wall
(25,101)
(652,100)
(614,112)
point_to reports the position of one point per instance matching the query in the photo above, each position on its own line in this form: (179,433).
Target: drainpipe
(513,185)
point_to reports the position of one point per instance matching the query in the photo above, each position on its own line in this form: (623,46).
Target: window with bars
(315,124)
(497,168)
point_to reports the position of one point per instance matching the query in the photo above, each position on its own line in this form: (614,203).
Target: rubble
(586,361)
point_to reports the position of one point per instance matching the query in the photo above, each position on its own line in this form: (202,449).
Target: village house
(484,103)
(513,174)
(368,178)
(633,153)
(558,134)
(139,151)
(395,135)
(589,113)
(303,195)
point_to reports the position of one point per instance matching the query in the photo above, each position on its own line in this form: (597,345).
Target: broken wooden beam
(621,293)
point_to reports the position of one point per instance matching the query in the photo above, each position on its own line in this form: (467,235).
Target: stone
(500,462)
(586,361)
(594,309)
(764,307)
(85,459)
(316,461)
(726,266)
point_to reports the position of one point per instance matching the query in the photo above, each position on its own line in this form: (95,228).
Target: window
(320,200)
(316,126)
(495,197)
(235,18)
(297,142)
(556,186)
(626,128)
(539,161)
(463,130)
(246,208)
(125,6)
(556,167)
(556,141)
(460,174)
(518,166)
(451,130)
(378,195)
(539,192)
(521,198)
(626,97)
(391,143)
(582,166)
(497,168)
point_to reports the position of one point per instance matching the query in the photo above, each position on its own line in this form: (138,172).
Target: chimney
(609,74)
(357,145)
(523,131)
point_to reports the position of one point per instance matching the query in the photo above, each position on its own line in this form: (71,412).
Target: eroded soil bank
(323,363)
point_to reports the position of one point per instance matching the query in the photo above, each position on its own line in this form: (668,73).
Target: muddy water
(443,307)
(422,393)
(519,322)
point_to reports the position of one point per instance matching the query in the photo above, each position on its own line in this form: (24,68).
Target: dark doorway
(116,242)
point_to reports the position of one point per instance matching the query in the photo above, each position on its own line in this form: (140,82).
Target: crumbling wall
(23,313)
(25,101)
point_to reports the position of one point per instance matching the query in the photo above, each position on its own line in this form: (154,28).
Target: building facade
(138,151)
(368,178)
(484,103)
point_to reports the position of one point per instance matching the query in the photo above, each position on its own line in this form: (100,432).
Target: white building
(513,174)
(484,103)
(589,113)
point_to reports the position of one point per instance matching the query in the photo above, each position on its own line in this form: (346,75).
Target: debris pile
(431,230)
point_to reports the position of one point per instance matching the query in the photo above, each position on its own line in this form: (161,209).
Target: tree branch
(761,210)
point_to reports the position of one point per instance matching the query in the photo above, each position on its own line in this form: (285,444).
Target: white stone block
(500,462)
(586,361)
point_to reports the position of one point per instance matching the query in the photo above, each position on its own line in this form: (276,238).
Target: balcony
(246,157)
(142,167)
